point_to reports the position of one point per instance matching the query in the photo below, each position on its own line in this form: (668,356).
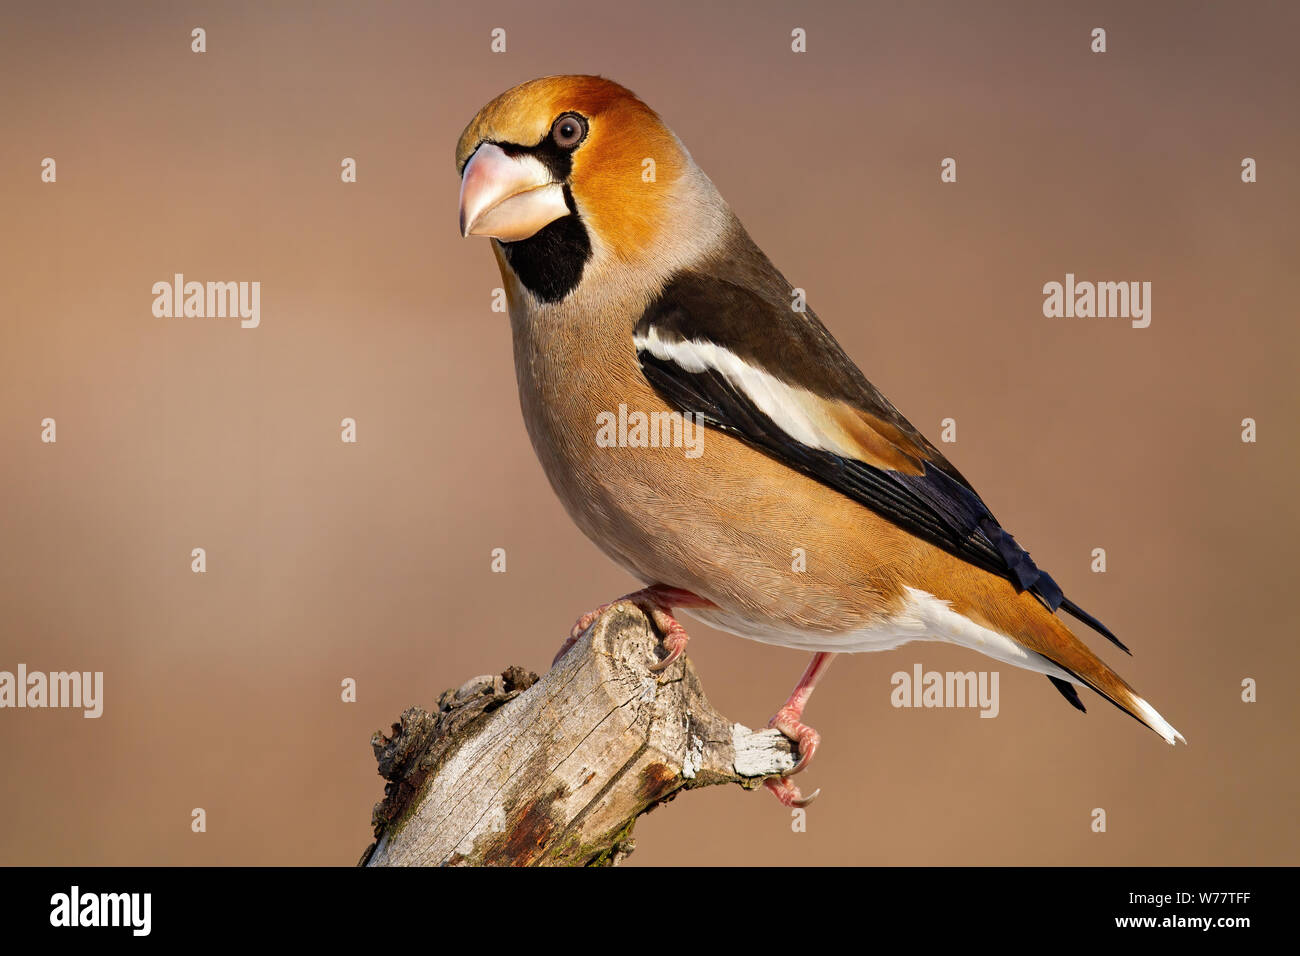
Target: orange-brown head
(562,169)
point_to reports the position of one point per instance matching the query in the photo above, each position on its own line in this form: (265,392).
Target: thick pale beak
(507,197)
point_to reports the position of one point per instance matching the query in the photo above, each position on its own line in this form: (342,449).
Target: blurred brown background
(371,561)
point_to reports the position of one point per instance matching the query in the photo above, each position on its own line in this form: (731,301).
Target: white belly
(922,618)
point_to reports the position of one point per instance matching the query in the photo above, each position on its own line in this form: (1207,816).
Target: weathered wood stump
(513,770)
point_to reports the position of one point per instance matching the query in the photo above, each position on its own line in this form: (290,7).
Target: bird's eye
(568,130)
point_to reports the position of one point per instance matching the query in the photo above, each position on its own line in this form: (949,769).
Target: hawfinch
(638,299)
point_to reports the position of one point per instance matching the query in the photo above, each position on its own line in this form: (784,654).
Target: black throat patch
(549,263)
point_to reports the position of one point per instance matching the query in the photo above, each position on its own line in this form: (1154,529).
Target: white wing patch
(796,411)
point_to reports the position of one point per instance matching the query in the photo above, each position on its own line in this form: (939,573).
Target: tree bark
(513,770)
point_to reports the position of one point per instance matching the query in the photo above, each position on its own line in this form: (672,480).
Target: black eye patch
(556,158)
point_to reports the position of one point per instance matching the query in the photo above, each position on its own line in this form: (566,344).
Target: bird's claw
(807,739)
(674,639)
(651,601)
(788,793)
(584,622)
(579,628)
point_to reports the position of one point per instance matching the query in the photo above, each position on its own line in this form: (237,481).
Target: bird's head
(564,169)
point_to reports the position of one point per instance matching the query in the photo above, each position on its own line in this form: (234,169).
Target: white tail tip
(1156,722)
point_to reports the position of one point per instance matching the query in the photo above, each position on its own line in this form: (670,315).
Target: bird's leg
(787,721)
(657,601)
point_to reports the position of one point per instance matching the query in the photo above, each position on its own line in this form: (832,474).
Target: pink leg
(787,720)
(657,601)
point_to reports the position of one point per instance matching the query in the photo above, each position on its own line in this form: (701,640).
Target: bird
(632,288)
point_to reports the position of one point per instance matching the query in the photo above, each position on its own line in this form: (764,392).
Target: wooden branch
(512,770)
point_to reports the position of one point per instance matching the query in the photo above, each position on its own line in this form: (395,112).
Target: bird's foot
(787,721)
(672,634)
(657,601)
(788,793)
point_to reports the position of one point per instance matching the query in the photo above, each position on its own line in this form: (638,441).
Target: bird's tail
(1083,666)
(991,602)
